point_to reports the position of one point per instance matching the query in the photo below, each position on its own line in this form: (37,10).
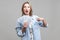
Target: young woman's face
(26,9)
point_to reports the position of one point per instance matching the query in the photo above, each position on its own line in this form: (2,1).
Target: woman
(28,24)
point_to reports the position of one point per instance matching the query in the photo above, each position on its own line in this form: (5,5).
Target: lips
(26,11)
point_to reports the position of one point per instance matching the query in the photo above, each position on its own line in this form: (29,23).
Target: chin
(27,13)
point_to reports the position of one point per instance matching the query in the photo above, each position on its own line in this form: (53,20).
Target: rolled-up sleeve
(41,23)
(19,29)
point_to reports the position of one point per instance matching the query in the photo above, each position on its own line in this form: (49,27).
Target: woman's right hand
(25,25)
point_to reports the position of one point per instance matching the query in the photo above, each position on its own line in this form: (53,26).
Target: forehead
(26,4)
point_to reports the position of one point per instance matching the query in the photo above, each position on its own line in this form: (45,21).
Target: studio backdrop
(10,10)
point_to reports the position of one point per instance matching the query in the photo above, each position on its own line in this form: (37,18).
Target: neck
(27,15)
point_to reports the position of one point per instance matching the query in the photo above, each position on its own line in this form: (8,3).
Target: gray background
(10,10)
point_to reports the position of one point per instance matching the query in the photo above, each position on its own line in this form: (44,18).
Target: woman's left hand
(43,20)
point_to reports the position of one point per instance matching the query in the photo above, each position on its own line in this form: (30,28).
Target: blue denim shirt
(35,25)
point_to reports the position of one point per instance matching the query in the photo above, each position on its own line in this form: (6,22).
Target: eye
(28,7)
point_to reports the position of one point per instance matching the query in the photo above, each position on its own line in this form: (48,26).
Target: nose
(26,9)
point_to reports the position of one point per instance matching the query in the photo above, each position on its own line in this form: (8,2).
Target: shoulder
(35,16)
(19,19)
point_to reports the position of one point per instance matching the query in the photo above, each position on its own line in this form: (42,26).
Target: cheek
(24,9)
(29,9)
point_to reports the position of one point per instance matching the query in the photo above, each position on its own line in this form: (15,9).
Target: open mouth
(26,11)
